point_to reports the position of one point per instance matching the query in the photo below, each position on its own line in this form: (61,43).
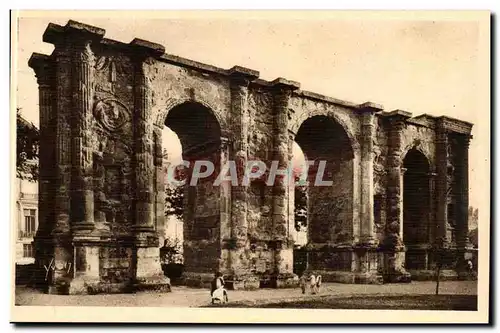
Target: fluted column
(463,195)
(62,58)
(148,273)
(395,257)
(367,228)
(44,68)
(143,138)
(225,266)
(45,73)
(159,188)
(396,124)
(431,230)
(283,250)
(367,217)
(84,235)
(402,172)
(82,194)
(365,261)
(240,79)
(442,183)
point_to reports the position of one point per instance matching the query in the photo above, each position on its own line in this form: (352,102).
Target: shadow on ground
(365,302)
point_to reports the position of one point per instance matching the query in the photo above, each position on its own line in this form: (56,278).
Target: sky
(421,66)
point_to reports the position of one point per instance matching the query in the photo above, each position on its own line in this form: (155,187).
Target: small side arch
(419,149)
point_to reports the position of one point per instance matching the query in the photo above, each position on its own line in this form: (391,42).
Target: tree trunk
(437,278)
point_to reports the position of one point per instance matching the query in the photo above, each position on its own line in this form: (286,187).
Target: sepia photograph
(306,166)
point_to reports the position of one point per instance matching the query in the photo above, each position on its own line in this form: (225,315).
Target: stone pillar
(366,258)
(225,264)
(82,195)
(85,236)
(282,245)
(44,69)
(148,272)
(63,135)
(442,183)
(395,254)
(144,167)
(292,233)
(159,188)
(58,279)
(73,209)
(462,219)
(240,267)
(431,230)
(401,222)
(367,228)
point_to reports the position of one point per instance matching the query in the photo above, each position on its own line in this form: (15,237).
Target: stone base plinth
(368,278)
(430,275)
(285,281)
(93,287)
(149,275)
(159,283)
(83,286)
(398,277)
(197,279)
(248,282)
(113,288)
(59,287)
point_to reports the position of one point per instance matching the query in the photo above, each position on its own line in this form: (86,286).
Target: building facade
(27,220)
(400,183)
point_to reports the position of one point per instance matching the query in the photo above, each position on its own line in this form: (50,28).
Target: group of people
(218,292)
(313,281)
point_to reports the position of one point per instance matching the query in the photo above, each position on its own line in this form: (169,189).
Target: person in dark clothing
(217,291)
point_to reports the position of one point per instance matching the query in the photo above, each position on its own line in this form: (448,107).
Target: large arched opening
(416,208)
(199,134)
(329,153)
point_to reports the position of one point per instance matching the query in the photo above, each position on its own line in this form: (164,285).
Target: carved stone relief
(111,113)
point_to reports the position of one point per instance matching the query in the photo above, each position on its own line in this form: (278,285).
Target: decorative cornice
(147,48)
(55,33)
(323,98)
(243,73)
(454,125)
(43,66)
(399,114)
(369,107)
(282,83)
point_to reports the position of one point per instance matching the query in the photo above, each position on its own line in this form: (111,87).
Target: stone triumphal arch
(103,105)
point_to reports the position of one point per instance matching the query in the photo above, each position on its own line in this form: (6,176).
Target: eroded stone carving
(111,113)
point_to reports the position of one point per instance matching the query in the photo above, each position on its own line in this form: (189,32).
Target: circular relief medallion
(111,113)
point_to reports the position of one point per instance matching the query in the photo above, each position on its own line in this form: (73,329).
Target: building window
(29,221)
(28,251)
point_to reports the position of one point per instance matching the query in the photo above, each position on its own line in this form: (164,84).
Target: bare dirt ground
(329,297)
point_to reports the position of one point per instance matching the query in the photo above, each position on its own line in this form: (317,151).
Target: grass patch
(372,302)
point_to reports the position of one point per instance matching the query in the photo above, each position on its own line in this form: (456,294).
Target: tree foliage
(171,252)
(300,207)
(474,226)
(27,145)
(174,201)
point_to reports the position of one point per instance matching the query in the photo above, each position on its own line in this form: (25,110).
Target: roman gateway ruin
(398,179)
